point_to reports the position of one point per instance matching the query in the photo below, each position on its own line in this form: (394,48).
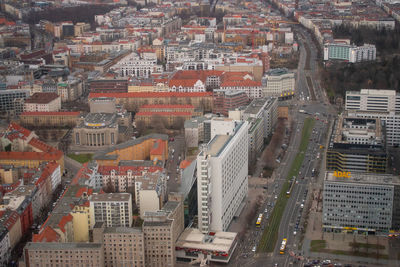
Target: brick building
(225,100)
(119,85)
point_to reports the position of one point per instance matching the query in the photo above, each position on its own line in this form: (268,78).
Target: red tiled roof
(16,127)
(151,94)
(244,83)
(167,106)
(175,113)
(64,221)
(182,82)
(184,164)
(11,220)
(36,143)
(47,235)
(158,148)
(41,98)
(82,190)
(54,113)
(30,155)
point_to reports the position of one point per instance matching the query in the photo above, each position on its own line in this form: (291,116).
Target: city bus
(259,219)
(291,186)
(283,246)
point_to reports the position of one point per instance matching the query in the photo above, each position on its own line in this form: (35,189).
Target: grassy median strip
(81,158)
(270,234)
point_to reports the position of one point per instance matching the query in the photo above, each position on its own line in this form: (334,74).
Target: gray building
(266,109)
(357,145)
(361,203)
(8,99)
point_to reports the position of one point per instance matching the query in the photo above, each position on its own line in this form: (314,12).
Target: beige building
(63,255)
(50,119)
(43,102)
(106,125)
(161,230)
(130,243)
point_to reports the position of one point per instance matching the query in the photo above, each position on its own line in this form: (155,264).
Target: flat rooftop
(257,104)
(376,92)
(123,230)
(111,197)
(349,127)
(365,178)
(61,246)
(216,145)
(193,238)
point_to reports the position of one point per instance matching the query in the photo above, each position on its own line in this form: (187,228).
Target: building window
(112,138)
(77,141)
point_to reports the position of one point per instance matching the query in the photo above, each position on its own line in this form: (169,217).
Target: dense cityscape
(199,133)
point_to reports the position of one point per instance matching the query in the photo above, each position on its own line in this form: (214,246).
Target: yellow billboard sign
(342,174)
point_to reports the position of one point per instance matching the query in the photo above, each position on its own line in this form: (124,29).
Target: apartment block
(63,254)
(361,203)
(43,102)
(130,243)
(357,145)
(222,178)
(148,183)
(115,209)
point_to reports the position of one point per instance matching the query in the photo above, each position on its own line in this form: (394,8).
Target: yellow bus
(259,219)
(283,246)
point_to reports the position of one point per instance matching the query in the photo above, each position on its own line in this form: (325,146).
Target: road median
(270,234)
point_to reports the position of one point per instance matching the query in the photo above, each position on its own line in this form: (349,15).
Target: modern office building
(115,209)
(373,100)
(278,83)
(357,145)
(222,178)
(63,254)
(216,247)
(225,100)
(266,109)
(382,104)
(362,203)
(9,97)
(350,53)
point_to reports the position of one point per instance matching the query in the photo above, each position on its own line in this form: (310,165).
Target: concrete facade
(222,171)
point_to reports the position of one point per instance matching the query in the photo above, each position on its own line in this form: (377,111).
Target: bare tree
(140,127)
(158,123)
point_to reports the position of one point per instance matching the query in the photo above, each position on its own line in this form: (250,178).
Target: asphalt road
(293,211)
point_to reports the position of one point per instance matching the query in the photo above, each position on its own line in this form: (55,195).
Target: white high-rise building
(222,178)
(382,104)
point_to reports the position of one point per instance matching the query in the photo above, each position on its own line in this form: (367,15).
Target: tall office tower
(382,104)
(222,173)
